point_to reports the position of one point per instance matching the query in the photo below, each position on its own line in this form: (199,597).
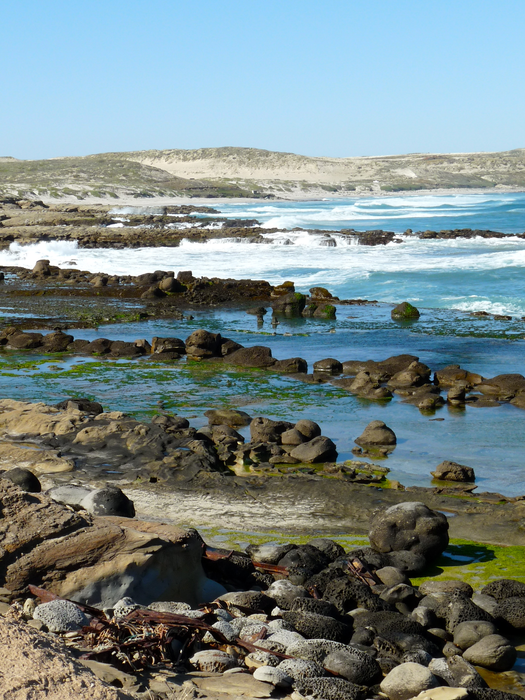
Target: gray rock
(300,668)
(376,433)
(408,680)
(308,428)
(275,676)
(61,616)
(329,689)
(504,588)
(284,593)
(320,449)
(314,626)
(511,612)
(69,495)
(109,500)
(493,652)
(391,576)
(458,608)
(464,673)
(404,312)
(432,587)
(213,661)
(354,666)
(440,668)
(485,602)
(410,526)
(468,633)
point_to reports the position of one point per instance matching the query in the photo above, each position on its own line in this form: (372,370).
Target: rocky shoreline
(99,226)
(150,609)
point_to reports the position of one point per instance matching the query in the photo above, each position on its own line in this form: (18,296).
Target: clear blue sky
(316,77)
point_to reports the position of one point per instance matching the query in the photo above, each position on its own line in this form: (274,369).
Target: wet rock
(404,312)
(293,365)
(410,526)
(320,449)
(493,652)
(202,344)
(408,680)
(19,340)
(328,365)
(290,304)
(99,346)
(84,405)
(452,471)
(255,356)
(328,547)
(121,348)
(308,428)
(228,346)
(504,386)
(376,433)
(227,416)
(431,587)
(267,430)
(56,341)
(23,478)
(168,345)
(456,394)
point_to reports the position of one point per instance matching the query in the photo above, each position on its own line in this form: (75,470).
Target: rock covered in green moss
(405,312)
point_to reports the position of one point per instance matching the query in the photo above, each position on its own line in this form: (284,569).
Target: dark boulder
(458,608)
(267,430)
(171,345)
(25,341)
(99,346)
(404,312)
(109,500)
(121,348)
(503,588)
(510,613)
(293,365)
(328,365)
(308,428)
(314,626)
(56,341)
(320,449)
(228,346)
(202,344)
(291,304)
(354,666)
(256,356)
(23,478)
(410,526)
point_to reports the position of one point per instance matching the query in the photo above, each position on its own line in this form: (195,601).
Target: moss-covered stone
(405,312)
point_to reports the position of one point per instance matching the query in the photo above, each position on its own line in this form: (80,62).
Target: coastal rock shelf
(402,375)
(133,598)
(96,226)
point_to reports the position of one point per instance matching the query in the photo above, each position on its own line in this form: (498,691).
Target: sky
(315,77)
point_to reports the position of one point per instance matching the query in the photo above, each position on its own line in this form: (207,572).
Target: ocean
(446,279)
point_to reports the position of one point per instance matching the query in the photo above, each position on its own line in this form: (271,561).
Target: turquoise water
(445,279)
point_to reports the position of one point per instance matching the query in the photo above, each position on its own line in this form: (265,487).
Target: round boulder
(109,500)
(404,312)
(408,680)
(410,526)
(23,478)
(376,433)
(493,652)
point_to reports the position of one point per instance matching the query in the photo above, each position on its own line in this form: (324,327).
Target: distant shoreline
(313,196)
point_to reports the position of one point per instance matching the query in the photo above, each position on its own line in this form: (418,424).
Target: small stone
(61,616)
(275,676)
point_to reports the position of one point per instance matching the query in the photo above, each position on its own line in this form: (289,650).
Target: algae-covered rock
(405,312)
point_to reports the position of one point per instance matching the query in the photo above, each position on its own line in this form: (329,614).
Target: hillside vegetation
(249,172)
